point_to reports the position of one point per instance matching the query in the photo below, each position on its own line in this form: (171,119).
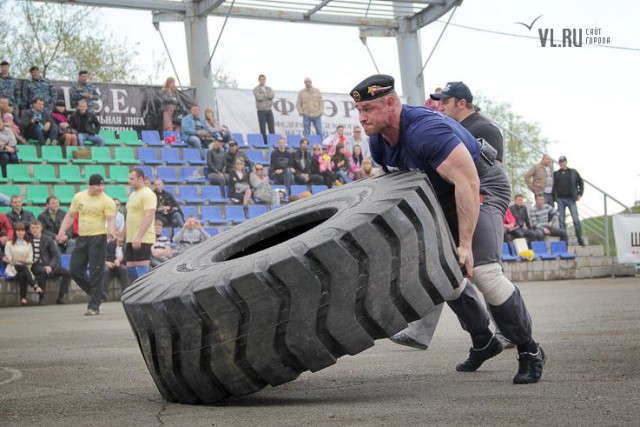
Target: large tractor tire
(294,289)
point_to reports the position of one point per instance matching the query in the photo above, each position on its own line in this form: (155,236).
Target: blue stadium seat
(168,175)
(65,261)
(255,156)
(297,189)
(171,156)
(170,189)
(211,230)
(256,210)
(212,215)
(559,248)
(315,189)
(189,194)
(178,138)
(255,140)
(314,139)
(192,156)
(151,137)
(540,250)
(166,232)
(148,170)
(189,211)
(272,139)
(213,193)
(506,253)
(293,141)
(148,156)
(235,214)
(237,137)
(192,174)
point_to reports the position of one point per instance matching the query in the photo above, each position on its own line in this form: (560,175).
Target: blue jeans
(97,140)
(285,178)
(317,124)
(573,209)
(342,176)
(548,199)
(194,142)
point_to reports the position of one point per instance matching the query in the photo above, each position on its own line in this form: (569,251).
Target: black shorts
(134,255)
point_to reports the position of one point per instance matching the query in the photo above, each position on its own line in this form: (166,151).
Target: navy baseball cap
(454,90)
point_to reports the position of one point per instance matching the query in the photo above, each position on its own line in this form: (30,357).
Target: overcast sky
(585,99)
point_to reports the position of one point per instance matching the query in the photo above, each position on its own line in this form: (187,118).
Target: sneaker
(403,339)
(92,312)
(41,299)
(478,357)
(506,342)
(530,367)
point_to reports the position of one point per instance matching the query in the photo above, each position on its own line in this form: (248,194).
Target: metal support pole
(198,53)
(606,237)
(410,56)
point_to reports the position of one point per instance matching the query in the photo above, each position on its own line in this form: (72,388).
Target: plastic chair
(52,154)
(297,189)
(148,171)
(102,155)
(96,169)
(315,189)
(211,230)
(256,140)
(235,214)
(18,173)
(173,135)
(70,158)
(506,253)
(213,193)
(190,211)
(212,215)
(119,174)
(148,156)
(109,137)
(171,156)
(71,174)
(168,175)
(540,250)
(151,137)
(255,156)
(559,248)
(11,190)
(314,139)
(126,155)
(237,137)
(28,154)
(272,139)
(37,194)
(45,174)
(64,192)
(117,192)
(189,194)
(192,174)
(293,141)
(192,156)
(256,210)
(129,137)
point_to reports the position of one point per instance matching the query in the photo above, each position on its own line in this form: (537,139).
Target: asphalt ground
(60,368)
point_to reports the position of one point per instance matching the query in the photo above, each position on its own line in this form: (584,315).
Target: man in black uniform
(474,193)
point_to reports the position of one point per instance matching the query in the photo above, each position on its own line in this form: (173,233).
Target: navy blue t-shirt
(426,140)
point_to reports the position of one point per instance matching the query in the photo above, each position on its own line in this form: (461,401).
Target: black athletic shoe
(478,357)
(402,339)
(530,367)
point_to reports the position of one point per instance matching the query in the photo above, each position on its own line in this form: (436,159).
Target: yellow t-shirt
(93,211)
(140,201)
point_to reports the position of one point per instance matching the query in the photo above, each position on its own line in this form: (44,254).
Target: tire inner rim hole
(295,227)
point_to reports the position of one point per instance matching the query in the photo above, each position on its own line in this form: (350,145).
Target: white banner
(237,109)
(626,230)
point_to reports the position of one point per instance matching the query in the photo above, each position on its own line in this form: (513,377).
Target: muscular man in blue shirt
(474,194)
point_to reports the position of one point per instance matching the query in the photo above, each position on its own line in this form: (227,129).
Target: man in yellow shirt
(95,208)
(140,235)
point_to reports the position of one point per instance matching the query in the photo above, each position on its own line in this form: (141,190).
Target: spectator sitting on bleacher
(18,254)
(114,266)
(332,141)
(356,160)
(8,149)
(508,223)
(340,164)
(367,170)
(86,124)
(190,235)
(36,123)
(542,215)
(321,165)
(66,134)
(302,165)
(194,133)
(240,187)
(359,139)
(6,230)
(51,219)
(10,123)
(161,249)
(19,215)
(281,164)
(216,164)
(120,218)
(212,127)
(261,186)
(523,226)
(233,154)
(46,262)
(4,106)
(168,210)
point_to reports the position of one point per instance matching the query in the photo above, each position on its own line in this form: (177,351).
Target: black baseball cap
(454,90)
(96,179)
(232,142)
(373,87)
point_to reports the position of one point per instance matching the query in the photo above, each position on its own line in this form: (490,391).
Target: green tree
(222,79)
(524,144)
(61,40)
